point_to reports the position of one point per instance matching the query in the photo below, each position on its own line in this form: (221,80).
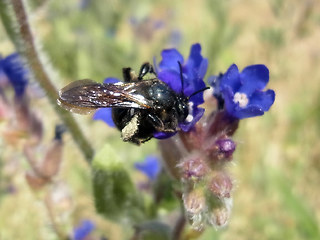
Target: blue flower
(243,93)
(150,167)
(193,72)
(83,230)
(13,68)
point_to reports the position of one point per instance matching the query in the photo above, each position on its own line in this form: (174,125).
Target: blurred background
(277,161)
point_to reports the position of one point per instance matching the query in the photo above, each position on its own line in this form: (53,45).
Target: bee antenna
(181,77)
(199,91)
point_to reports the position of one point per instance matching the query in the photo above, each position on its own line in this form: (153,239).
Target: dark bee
(140,106)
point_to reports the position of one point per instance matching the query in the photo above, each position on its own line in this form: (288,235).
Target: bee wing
(85,96)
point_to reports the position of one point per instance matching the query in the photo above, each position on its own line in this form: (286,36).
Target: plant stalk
(26,45)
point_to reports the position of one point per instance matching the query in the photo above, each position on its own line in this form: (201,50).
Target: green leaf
(153,230)
(114,193)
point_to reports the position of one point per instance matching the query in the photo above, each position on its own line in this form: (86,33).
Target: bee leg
(158,124)
(155,121)
(129,75)
(145,69)
(130,130)
(146,140)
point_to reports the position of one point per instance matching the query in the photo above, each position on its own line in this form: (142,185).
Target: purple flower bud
(220,185)
(220,149)
(194,167)
(226,147)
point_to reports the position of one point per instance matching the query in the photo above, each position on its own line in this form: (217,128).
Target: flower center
(241,98)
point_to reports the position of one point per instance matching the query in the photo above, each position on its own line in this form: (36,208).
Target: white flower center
(241,98)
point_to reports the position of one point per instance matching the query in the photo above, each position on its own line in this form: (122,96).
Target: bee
(141,106)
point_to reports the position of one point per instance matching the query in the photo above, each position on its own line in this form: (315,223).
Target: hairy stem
(179,226)
(26,45)
(172,151)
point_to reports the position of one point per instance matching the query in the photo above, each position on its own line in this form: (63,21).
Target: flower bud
(194,201)
(220,185)
(194,167)
(36,182)
(219,216)
(51,162)
(220,149)
(226,147)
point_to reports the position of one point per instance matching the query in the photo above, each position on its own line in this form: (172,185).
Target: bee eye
(183,110)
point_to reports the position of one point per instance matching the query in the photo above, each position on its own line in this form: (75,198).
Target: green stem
(26,45)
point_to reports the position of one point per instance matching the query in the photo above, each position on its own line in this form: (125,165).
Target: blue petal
(111,80)
(231,79)
(250,111)
(203,68)
(196,66)
(195,59)
(16,72)
(195,86)
(263,99)
(229,104)
(83,230)
(104,114)
(170,59)
(163,135)
(171,78)
(150,167)
(254,77)
(197,114)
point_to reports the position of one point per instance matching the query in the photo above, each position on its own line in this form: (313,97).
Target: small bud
(196,208)
(194,167)
(220,185)
(51,162)
(194,202)
(36,182)
(220,149)
(218,217)
(226,147)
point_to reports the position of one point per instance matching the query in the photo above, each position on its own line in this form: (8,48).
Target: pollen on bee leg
(241,98)
(130,129)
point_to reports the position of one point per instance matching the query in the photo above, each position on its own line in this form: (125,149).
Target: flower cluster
(203,146)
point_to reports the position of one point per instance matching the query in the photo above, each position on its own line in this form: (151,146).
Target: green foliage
(307,224)
(273,37)
(153,230)
(114,193)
